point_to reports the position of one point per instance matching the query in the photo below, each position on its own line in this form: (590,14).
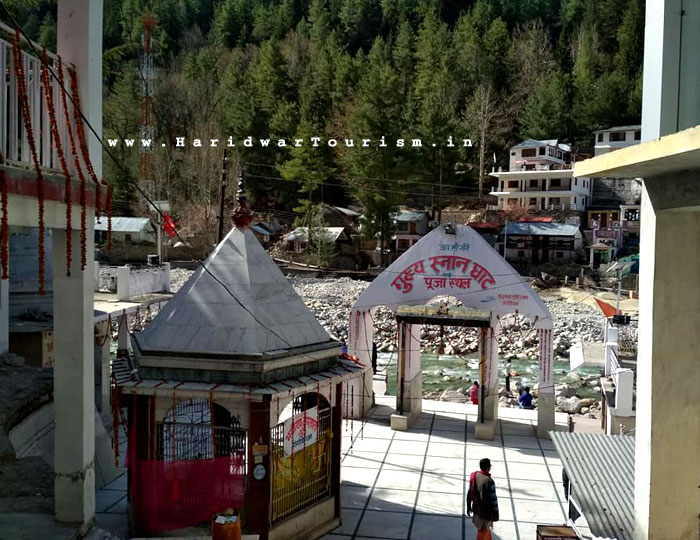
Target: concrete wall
(311,523)
(137,281)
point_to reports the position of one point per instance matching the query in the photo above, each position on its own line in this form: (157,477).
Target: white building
(541,178)
(614,138)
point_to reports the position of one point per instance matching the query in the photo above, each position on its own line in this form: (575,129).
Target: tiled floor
(412,485)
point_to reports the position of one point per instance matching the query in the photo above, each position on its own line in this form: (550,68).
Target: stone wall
(616,191)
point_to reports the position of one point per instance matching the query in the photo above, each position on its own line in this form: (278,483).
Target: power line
(377,179)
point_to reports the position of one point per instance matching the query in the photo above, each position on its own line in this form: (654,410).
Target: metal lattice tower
(147,131)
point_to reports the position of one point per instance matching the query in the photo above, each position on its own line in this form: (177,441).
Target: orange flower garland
(76,162)
(26,118)
(4,253)
(48,96)
(80,131)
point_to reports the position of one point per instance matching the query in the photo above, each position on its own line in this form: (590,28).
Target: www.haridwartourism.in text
(249,142)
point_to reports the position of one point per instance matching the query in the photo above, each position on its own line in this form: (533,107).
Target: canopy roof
(454,260)
(601,471)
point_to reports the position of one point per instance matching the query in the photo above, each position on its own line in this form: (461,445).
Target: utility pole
(222,198)
(619,290)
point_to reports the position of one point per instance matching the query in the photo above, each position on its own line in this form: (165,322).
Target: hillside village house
(541,178)
(614,138)
(410,226)
(126,230)
(538,242)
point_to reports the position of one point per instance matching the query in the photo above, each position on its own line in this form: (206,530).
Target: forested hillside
(495,71)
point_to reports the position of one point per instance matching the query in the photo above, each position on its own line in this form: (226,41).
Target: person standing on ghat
(482,501)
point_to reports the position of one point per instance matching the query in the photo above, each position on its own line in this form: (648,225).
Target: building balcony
(14,142)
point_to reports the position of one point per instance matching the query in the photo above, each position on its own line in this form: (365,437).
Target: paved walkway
(412,485)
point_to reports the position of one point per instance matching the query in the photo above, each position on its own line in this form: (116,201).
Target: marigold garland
(76,162)
(48,96)
(26,118)
(80,131)
(4,253)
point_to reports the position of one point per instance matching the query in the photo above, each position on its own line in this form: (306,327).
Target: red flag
(168,225)
(608,310)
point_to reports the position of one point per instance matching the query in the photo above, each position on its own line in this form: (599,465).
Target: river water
(466,367)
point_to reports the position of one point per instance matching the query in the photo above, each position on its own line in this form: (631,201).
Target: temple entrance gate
(454,260)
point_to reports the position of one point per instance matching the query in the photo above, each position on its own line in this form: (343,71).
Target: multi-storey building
(541,178)
(614,138)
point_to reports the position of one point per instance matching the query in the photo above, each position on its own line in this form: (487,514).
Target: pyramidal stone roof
(254,311)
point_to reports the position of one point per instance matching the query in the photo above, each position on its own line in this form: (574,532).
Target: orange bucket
(226,526)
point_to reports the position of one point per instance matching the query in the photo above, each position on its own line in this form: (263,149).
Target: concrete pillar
(74,394)
(4,315)
(488,407)
(96,269)
(124,283)
(545,388)
(667,460)
(79,35)
(166,277)
(409,395)
(105,333)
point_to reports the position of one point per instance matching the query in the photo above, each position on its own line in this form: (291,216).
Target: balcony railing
(14,142)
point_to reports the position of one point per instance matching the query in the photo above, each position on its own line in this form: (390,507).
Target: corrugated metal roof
(541,229)
(601,472)
(124,224)
(619,128)
(410,215)
(302,234)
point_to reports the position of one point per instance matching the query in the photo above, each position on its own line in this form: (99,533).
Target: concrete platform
(401,485)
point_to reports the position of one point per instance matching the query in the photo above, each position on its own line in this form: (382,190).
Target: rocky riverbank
(332,298)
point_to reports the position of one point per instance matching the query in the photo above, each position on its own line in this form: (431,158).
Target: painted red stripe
(54,187)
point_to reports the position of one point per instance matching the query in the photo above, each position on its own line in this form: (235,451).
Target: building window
(127,237)
(551,152)
(412,227)
(512,184)
(632,214)
(534,183)
(555,182)
(533,202)
(600,137)
(521,254)
(560,254)
(402,226)
(574,200)
(575,181)
(614,216)
(403,244)
(618,136)
(542,151)
(555,200)
(637,135)
(512,153)
(530,167)
(512,202)
(528,152)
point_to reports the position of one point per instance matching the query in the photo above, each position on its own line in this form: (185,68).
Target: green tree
(308,168)
(546,110)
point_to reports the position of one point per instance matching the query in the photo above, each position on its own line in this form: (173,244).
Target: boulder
(587,402)
(454,395)
(566,391)
(11,359)
(570,405)
(584,410)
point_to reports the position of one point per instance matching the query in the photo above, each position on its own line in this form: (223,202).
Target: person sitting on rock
(474,393)
(525,399)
